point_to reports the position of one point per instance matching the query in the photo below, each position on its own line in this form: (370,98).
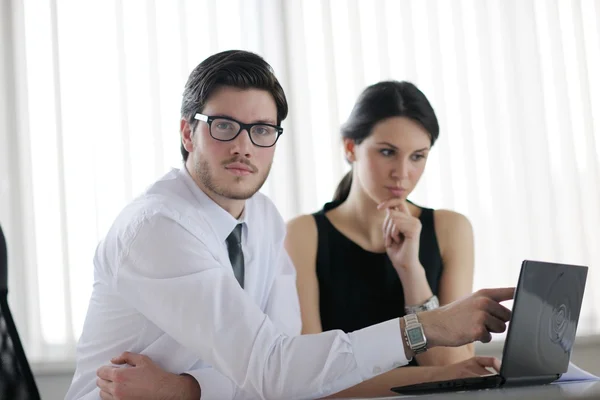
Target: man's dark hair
(235,68)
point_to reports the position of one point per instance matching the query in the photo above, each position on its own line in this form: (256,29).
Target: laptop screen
(544,321)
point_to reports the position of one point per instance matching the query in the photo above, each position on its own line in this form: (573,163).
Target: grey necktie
(236,256)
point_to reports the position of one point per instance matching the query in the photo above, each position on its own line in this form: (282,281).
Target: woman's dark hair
(381,101)
(235,68)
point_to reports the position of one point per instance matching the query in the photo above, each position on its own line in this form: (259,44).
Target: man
(194,276)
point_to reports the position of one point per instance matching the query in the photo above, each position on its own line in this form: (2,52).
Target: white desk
(574,390)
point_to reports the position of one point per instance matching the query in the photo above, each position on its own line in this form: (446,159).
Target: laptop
(540,334)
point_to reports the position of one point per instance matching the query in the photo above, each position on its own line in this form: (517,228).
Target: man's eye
(224,125)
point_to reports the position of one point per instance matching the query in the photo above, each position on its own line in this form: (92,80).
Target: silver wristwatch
(431,304)
(414,335)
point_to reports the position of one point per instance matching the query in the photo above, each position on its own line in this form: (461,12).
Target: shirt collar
(220,220)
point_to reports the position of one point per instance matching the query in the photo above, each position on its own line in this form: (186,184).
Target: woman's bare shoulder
(452,229)
(448,220)
(301,240)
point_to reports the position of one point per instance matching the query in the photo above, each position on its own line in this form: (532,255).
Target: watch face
(415,336)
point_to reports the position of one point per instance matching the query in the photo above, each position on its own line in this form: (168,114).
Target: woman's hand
(473,367)
(402,234)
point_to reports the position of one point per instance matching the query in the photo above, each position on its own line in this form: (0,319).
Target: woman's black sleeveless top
(358,288)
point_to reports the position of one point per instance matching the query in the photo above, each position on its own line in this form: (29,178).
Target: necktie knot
(235,237)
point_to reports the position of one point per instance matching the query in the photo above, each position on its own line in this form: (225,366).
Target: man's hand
(470,319)
(143,380)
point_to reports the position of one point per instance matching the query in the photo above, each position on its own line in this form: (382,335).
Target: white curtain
(90,106)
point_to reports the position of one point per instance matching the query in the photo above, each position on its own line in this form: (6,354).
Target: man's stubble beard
(206,178)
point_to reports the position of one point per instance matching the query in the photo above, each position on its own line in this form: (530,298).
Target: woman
(371,255)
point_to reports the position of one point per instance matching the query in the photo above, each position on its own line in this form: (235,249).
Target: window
(98,89)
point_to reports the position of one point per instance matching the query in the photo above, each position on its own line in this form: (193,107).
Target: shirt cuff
(378,348)
(213,384)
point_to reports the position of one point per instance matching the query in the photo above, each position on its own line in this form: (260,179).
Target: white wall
(54,385)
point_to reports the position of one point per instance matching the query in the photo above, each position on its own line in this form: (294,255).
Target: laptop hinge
(531,380)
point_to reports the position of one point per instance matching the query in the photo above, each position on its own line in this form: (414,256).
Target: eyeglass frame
(210,118)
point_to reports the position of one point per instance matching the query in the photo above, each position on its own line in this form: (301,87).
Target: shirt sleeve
(172,278)
(213,384)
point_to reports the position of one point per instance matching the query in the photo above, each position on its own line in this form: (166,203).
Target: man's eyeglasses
(226,129)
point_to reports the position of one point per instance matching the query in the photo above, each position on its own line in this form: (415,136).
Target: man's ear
(187,134)
(349,148)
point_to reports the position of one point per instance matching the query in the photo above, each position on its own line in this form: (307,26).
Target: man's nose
(242,144)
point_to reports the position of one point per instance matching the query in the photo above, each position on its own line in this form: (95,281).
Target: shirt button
(376,370)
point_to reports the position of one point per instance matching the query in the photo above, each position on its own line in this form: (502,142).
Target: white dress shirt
(164,287)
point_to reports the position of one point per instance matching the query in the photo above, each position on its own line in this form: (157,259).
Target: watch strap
(430,304)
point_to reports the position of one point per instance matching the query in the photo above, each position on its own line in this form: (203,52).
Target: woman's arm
(455,239)
(301,244)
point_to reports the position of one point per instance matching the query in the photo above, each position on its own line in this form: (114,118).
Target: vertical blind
(96,87)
